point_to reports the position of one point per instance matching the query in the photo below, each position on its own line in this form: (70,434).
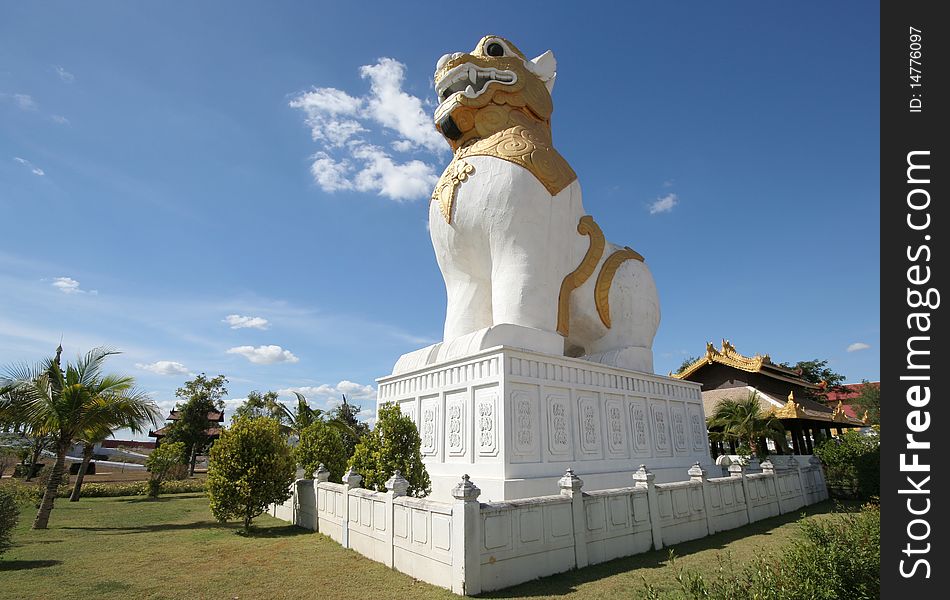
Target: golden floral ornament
(445,190)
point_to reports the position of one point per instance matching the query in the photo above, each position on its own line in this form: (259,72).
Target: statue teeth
(472,76)
(470,91)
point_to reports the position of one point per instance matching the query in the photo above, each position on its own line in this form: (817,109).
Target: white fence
(471,547)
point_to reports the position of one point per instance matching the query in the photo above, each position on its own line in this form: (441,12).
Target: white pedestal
(514,420)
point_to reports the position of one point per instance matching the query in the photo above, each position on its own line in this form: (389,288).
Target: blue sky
(243,188)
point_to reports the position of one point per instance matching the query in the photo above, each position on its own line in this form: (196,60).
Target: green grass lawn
(133,548)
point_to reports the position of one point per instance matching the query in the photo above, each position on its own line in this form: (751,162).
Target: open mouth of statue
(471,80)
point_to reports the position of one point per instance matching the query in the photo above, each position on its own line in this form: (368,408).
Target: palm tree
(67,404)
(296,420)
(744,421)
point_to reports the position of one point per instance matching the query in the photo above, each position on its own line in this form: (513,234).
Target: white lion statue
(524,266)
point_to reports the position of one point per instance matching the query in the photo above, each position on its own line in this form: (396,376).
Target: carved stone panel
(588,424)
(616,426)
(640,427)
(455,422)
(525,425)
(678,419)
(429,426)
(697,426)
(661,428)
(486,421)
(559,426)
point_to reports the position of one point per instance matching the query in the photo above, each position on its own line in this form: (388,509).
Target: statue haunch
(523,264)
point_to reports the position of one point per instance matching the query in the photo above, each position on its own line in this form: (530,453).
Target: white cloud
(24,101)
(164,367)
(857,346)
(59,119)
(33,168)
(68,285)
(242,322)
(664,204)
(356,391)
(342,125)
(64,75)
(332,394)
(264,355)
(393,108)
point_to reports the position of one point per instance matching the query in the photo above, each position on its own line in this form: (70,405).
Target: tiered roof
(804,408)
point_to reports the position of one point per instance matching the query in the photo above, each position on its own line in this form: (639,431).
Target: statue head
(490,89)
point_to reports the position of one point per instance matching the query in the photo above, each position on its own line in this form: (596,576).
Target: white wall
(471,547)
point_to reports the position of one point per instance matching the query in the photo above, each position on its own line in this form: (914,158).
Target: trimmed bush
(162,460)
(9,514)
(321,443)
(393,444)
(249,467)
(852,465)
(28,493)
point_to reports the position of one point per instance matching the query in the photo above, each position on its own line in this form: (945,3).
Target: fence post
(396,486)
(351,480)
(794,464)
(820,482)
(738,470)
(769,469)
(697,474)
(644,479)
(571,486)
(466,539)
(321,475)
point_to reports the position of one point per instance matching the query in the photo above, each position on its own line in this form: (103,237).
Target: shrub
(321,443)
(249,467)
(852,464)
(9,514)
(835,557)
(162,460)
(22,493)
(393,444)
(29,493)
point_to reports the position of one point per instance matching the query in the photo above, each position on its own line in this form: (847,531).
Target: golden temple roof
(728,355)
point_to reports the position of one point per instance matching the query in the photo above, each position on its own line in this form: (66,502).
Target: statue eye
(495,49)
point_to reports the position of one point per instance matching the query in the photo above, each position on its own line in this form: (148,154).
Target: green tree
(816,371)
(744,421)
(201,397)
(686,362)
(298,419)
(260,405)
(322,443)
(852,464)
(66,403)
(250,467)
(393,444)
(162,460)
(869,399)
(97,434)
(352,429)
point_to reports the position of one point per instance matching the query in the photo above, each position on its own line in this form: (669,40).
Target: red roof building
(847,393)
(215,419)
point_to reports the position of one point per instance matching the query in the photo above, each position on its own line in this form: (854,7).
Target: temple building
(215,421)
(781,391)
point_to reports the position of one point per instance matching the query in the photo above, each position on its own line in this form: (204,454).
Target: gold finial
(865,418)
(791,396)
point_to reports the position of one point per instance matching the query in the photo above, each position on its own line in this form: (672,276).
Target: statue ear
(545,67)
